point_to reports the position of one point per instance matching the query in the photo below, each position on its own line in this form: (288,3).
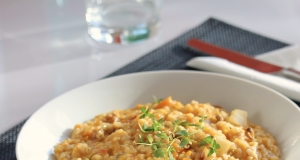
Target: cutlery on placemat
(243,59)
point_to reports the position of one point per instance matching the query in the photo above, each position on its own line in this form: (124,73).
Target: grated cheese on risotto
(168,129)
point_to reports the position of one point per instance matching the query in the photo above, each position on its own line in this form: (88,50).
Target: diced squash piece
(238,117)
(224,145)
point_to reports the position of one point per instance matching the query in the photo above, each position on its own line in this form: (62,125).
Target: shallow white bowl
(54,121)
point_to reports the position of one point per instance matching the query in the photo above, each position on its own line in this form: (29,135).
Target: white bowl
(54,121)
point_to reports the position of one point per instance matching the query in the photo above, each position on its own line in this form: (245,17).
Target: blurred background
(45,49)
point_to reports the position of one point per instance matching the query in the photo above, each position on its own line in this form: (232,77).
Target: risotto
(168,129)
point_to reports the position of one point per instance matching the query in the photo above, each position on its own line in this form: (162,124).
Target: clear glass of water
(122,21)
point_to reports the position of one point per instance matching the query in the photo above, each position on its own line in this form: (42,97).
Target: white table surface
(45,50)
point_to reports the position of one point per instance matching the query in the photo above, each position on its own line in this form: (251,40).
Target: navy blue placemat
(174,55)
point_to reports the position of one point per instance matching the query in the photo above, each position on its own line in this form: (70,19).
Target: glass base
(123,36)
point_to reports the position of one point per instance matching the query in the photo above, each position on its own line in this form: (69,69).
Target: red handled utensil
(243,59)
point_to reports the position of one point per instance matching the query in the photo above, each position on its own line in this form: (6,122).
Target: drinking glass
(122,21)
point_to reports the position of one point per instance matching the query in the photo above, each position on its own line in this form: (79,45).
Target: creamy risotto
(168,129)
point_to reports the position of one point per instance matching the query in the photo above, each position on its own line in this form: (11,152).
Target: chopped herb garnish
(184,141)
(202,118)
(182,133)
(207,140)
(171,156)
(162,135)
(145,112)
(162,145)
(159,152)
(214,145)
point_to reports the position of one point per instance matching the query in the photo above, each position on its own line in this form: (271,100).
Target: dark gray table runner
(174,55)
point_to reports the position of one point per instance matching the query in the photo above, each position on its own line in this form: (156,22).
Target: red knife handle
(233,56)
